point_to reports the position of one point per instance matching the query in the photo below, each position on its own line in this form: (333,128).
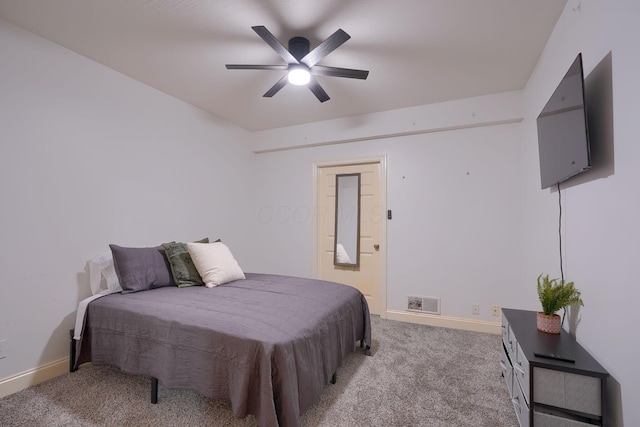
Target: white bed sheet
(103,280)
(82,309)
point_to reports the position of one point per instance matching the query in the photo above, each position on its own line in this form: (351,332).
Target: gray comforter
(269,343)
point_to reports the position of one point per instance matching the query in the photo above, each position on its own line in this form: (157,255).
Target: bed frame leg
(334,378)
(154,390)
(72,351)
(367,349)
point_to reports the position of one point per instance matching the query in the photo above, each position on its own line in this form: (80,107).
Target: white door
(368,277)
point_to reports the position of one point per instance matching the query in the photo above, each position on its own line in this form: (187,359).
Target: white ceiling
(417,51)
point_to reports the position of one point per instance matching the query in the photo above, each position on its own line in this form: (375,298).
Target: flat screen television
(563,137)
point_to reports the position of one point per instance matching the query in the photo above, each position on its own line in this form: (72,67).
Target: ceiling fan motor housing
(298,47)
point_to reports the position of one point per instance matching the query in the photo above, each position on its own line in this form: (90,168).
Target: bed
(267,343)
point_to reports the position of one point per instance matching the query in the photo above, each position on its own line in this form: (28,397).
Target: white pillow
(102,275)
(215,263)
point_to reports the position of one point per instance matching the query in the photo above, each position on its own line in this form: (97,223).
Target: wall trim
(389,135)
(446,322)
(18,382)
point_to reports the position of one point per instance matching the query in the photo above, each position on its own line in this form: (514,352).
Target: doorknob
(376,246)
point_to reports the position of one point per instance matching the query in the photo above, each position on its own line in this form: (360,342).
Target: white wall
(90,157)
(454,196)
(601,207)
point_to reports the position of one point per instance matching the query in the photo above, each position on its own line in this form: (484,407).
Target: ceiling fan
(302,63)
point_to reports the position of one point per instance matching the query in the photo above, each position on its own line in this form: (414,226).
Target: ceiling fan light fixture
(299,75)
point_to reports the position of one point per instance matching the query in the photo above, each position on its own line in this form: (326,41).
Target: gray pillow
(182,269)
(140,269)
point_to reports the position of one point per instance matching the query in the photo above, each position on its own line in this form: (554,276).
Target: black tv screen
(563,139)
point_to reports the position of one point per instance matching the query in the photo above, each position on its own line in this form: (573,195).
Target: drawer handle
(516,402)
(519,369)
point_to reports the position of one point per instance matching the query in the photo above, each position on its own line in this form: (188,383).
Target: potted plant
(554,294)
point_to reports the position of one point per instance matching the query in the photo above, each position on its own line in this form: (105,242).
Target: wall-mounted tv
(563,137)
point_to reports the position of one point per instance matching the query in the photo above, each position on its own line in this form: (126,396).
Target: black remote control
(554,356)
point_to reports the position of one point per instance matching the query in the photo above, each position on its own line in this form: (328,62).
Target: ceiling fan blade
(318,91)
(255,67)
(339,72)
(275,44)
(332,42)
(276,87)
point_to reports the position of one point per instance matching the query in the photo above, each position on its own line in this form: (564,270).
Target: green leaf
(556,294)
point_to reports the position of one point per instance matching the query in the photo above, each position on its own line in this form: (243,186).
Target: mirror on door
(347,236)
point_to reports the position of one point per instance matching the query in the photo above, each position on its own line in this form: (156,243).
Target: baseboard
(446,322)
(33,376)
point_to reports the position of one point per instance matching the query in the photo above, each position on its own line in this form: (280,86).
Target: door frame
(382,161)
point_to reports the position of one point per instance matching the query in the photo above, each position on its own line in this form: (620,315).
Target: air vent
(429,305)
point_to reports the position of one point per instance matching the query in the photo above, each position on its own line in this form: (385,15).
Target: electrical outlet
(2,342)
(475,309)
(495,310)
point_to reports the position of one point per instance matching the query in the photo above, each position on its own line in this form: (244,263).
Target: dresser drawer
(567,390)
(520,405)
(507,372)
(540,419)
(505,331)
(511,342)
(521,371)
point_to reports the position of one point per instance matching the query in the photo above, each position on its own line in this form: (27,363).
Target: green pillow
(182,269)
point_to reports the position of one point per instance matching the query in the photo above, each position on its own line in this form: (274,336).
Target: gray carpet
(418,376)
